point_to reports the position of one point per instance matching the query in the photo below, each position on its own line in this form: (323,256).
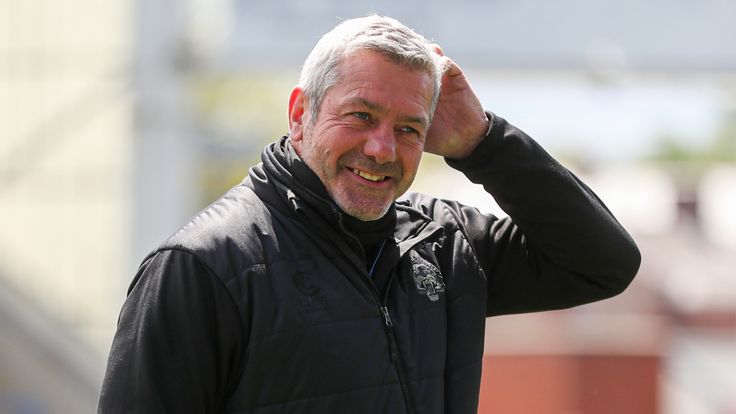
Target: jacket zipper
(388,325)
(393,345)
(396,359)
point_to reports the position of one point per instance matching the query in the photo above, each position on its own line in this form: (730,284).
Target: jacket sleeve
(176,349)
(560,245)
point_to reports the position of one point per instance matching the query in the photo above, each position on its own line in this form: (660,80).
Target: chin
(363,215)
(364,206)
(370,217)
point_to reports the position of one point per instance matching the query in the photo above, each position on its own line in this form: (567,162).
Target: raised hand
(459,121)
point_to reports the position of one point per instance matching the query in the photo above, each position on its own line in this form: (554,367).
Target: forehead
(368,76)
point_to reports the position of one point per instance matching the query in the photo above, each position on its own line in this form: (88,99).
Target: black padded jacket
(263,302)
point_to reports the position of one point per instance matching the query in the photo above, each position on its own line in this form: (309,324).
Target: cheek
(324,155)
(410,159)
(338,145)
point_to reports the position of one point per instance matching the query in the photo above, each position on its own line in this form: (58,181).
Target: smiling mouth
(369,177)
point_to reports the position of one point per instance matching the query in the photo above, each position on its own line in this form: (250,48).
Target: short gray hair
(381,34)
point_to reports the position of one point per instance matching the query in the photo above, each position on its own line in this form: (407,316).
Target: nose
(381,145)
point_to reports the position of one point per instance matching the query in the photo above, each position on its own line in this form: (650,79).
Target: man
(310,289)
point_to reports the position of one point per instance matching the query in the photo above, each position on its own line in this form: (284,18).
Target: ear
(296,114)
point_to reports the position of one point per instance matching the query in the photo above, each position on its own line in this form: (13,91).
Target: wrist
(476,137)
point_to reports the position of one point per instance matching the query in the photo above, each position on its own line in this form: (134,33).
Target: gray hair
(381,34)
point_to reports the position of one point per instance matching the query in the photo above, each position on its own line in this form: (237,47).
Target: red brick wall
(570,384)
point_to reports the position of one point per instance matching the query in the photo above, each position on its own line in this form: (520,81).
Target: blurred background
(120,119)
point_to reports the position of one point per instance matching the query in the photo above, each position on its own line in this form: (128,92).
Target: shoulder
(446,213)
(227,235)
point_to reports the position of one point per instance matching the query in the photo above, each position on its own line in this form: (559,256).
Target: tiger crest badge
(427,278)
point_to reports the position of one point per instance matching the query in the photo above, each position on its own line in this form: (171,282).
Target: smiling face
(367,139)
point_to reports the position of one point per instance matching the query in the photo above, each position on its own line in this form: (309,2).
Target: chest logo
(312,299)
(427,278)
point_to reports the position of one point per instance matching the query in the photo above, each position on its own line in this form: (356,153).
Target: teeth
(367,176)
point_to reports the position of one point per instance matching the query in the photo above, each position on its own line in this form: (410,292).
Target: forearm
(568,239)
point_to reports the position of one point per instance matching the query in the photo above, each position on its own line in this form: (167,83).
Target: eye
(363,116)
(411,135)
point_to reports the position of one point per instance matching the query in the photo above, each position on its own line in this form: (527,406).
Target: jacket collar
(286,183)
(290,185)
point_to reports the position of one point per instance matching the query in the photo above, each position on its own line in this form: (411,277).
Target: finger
(438,49)
(451,69)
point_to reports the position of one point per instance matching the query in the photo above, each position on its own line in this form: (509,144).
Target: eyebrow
(380,108)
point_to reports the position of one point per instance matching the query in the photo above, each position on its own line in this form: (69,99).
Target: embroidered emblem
(312,299)
(427,278)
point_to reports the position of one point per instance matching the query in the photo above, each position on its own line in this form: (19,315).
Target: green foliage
(721,148)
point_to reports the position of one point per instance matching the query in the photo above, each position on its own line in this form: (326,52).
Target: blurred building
(65,165)
(119,120)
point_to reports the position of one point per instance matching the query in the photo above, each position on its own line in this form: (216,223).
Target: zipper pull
(386,316)
(392,348)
